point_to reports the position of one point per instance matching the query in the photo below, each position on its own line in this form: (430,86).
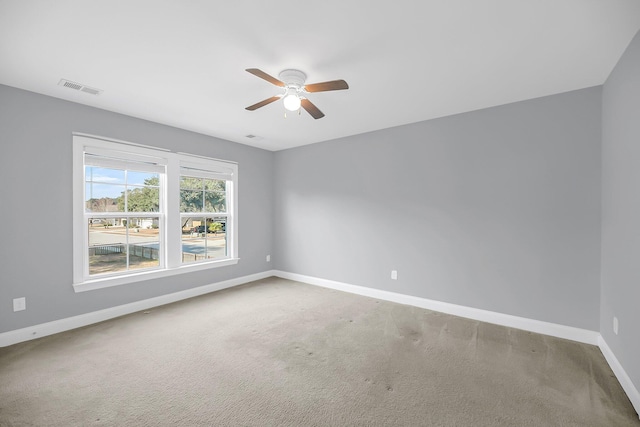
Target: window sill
(107,282)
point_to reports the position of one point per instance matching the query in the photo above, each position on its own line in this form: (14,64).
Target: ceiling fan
(293,97)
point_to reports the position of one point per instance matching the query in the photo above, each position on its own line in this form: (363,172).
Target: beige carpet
(277,352)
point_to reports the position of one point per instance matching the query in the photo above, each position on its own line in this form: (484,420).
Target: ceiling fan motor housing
(293,78)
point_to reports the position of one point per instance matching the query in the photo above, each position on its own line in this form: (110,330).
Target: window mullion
(173,225)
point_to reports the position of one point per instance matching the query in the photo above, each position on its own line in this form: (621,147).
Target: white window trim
(171,263)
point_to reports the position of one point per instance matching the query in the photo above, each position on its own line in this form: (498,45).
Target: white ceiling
(182,63)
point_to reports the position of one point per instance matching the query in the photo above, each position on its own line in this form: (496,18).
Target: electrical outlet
(615,325)
(19,304)
(268,258)
(394,274)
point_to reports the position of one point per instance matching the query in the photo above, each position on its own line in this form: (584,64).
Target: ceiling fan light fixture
(291,100)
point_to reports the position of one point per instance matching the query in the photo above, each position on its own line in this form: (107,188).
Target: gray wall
(497,209)
(36,199)
(621,210)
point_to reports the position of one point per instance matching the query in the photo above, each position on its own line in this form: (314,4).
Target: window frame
(170,238)
(196,172)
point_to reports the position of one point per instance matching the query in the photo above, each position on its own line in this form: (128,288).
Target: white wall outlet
(615,325)
(268,258)
(19,304)
(394,274)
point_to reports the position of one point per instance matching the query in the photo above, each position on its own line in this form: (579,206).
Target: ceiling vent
(77,86)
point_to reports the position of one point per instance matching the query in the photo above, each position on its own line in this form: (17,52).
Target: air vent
(250,136)
(72,85)
(80,87)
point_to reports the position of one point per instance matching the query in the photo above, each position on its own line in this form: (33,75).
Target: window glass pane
(144,243)
(203,238)
(143,178)
(191,200)
(104,197)
(143,199)
(214,185)
(216,237)
(104,175)
(215,201)
(190,183)
(107,246)
(193,239)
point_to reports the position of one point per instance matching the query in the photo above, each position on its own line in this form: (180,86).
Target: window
(141,213)
(203,212)
(122,212)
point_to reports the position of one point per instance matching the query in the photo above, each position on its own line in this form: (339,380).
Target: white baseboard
(50,328)
(632,392)
(546,328)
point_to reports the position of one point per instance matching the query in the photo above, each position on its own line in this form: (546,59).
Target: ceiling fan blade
(325,86)
(265,76)
(262,103)
(311,109)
